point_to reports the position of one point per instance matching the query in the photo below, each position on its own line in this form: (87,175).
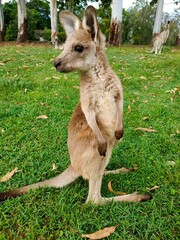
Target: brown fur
(96,124)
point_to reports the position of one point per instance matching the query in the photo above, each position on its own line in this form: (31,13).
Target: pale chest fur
(99,93)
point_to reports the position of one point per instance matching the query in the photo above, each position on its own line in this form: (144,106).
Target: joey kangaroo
(160,39)
(96,125)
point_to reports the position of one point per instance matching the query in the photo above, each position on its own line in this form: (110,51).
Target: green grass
(28,79)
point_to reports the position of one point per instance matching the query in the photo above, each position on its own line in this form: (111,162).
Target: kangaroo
(96,125)
(159,39)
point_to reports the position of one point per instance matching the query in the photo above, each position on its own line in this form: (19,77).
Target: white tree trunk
(158,18)
(54,28)
(115,34)
(1,23)
(22,21)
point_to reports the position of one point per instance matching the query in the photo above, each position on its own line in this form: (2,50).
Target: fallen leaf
(145,101)
(9,175)
(146,129)
(177,131)
(42,104)
(42,117)
(76,87)
(145,118)
(135,167)
(1,130)
(143,78)
(2,64)
(129,108)
(24,66)
(157,76)
(53,166)
(153,188)
(115,192)
(133,101)
(174,90)
(171,163)
(101,233)
(55,77)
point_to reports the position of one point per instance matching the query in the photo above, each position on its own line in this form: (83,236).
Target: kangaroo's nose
(57,63)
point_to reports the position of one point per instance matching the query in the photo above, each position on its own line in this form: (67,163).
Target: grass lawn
(30,87)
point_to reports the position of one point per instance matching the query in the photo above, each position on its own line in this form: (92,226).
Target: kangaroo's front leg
(119,128)
(91,120)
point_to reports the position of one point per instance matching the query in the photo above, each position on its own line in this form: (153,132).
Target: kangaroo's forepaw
(119,133)
(102,149)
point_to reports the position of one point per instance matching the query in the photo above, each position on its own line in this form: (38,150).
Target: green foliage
(47,34)
(104,19)
(33,17)
(42,9)
(11,30)
(27,80)
(137,24)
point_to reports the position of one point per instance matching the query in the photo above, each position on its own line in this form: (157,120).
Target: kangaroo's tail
(65,178)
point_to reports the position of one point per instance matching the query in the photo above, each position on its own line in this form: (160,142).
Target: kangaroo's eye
(79,48)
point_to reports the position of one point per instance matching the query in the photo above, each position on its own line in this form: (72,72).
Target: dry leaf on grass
(76,87)
(8,175)
(1,130)
(143,78)
(42,104)
(174,90)
(115,192)
(153,188)
(101,233)
(53,166)
(55,77)
(133,101)
(171,163)
(42,117)
(129,108)
(146,129)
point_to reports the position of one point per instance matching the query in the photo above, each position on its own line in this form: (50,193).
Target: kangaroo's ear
(90,23)
(69,21)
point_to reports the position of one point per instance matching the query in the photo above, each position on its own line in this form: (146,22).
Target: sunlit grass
(29,87)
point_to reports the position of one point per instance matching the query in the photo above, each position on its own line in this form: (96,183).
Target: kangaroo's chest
(101,97)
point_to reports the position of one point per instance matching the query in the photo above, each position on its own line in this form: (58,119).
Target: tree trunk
(22,21)
(177,43)
(115,34)
(158,18)
(54,28)
(1,23)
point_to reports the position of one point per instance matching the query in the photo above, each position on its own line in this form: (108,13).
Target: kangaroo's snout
(57,63)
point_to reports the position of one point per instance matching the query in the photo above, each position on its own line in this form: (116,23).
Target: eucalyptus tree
(22,21)
(115,33)
(1,23)
(54,26)
(158,17)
